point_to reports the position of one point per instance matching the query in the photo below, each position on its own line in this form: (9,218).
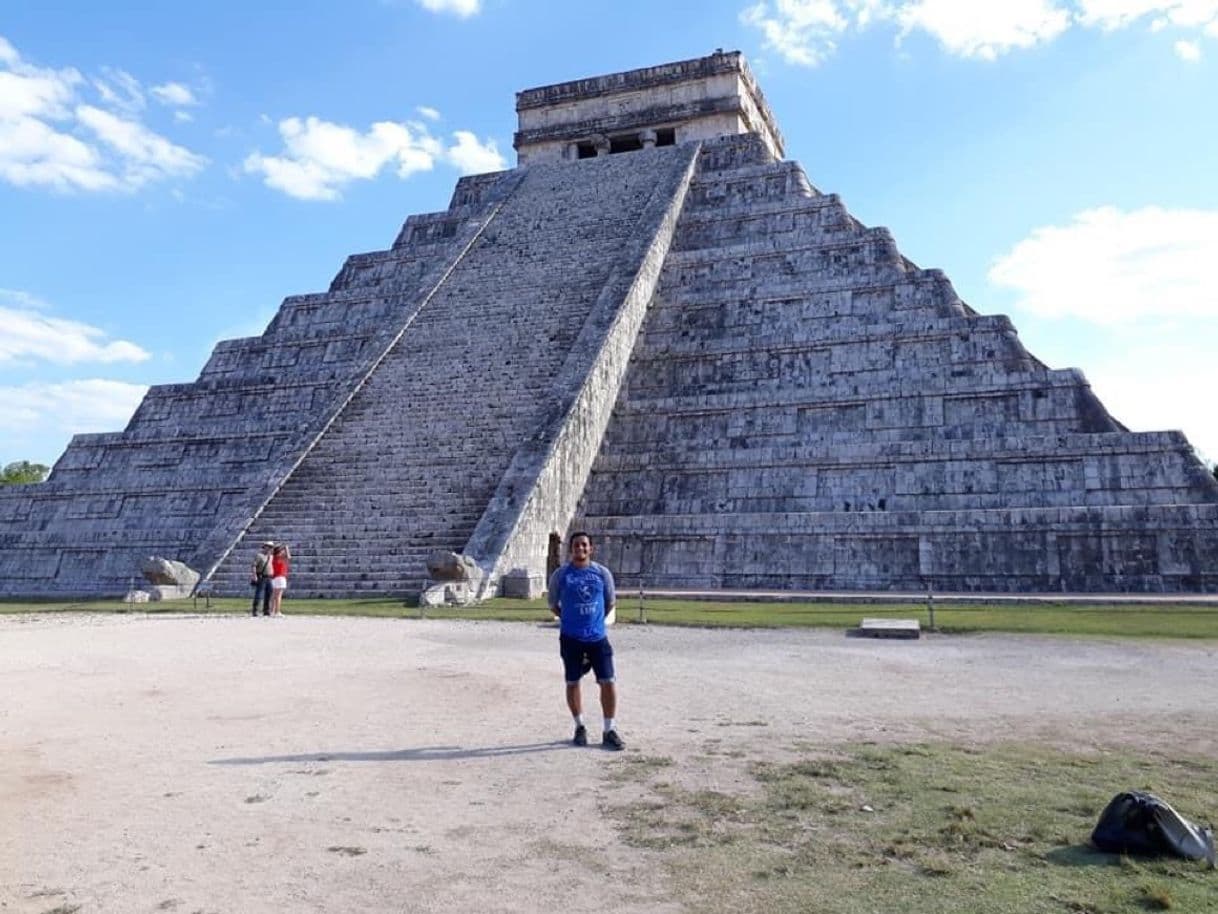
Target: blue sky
(169,172)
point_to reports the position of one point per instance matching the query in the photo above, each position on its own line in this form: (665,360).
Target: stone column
(648,139)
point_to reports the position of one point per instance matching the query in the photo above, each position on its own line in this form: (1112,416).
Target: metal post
(642,608)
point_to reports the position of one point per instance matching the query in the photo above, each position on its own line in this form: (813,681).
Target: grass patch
(1158,898)
(1121,620)
(923,828)
(639,767)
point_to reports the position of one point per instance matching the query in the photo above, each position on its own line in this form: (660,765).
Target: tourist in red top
(279,576)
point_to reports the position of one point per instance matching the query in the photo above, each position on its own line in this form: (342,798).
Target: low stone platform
(903,629)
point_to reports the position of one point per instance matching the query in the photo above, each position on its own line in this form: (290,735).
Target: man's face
(581,551)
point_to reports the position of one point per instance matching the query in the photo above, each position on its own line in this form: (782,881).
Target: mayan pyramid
(653,328)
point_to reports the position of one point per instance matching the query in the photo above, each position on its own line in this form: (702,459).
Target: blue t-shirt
(582,595)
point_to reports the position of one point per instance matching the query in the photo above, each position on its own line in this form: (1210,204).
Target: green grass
(927,828)
(1131,620)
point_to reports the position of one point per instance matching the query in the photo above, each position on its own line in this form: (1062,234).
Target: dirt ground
(232,765)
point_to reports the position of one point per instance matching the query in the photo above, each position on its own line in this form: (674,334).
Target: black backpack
(1137,822)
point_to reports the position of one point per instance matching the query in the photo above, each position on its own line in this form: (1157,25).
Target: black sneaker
(581,736)
(612,741)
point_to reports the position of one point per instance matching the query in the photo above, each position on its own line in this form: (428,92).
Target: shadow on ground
(422,754)
(1080,855)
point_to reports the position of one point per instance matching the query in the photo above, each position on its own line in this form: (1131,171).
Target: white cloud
(24,300)
(33,154)
(320,158)
(119,89)
(50,136)
(1143,283)
(474,157)
(144,156)
(93,405)
(27,91)
(1188,50)
(1117,14)
(1171,387)
(462,8)
(1110,15)
(8,54)
(428,112)
(174,94)
(27,332)
(1111,267)
(970,29)
(807,32)
(802,32)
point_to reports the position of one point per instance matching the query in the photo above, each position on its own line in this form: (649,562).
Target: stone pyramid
(655,329)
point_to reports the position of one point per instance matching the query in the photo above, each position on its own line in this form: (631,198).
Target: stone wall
(805,408)
(1156,549)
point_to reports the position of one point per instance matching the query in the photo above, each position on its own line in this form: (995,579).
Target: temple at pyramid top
(667,105)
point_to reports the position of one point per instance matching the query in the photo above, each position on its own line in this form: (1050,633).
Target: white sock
(608,724)
(579,719)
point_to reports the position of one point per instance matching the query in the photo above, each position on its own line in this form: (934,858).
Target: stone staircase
(413,461)
(182,480)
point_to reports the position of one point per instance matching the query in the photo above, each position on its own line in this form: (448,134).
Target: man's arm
(610,590)
(552,591)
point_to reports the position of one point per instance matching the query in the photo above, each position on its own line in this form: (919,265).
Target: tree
(1216,471)
(20,472)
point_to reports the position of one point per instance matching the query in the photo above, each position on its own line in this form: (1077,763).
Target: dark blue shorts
(580,656)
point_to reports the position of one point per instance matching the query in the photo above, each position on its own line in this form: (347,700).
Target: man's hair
(576,535)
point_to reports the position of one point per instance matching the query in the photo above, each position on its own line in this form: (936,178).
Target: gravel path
(236,765)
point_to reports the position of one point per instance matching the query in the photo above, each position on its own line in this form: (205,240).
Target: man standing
(581,595)
(260,579)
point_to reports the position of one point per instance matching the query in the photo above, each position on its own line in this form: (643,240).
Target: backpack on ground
(1137,822)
